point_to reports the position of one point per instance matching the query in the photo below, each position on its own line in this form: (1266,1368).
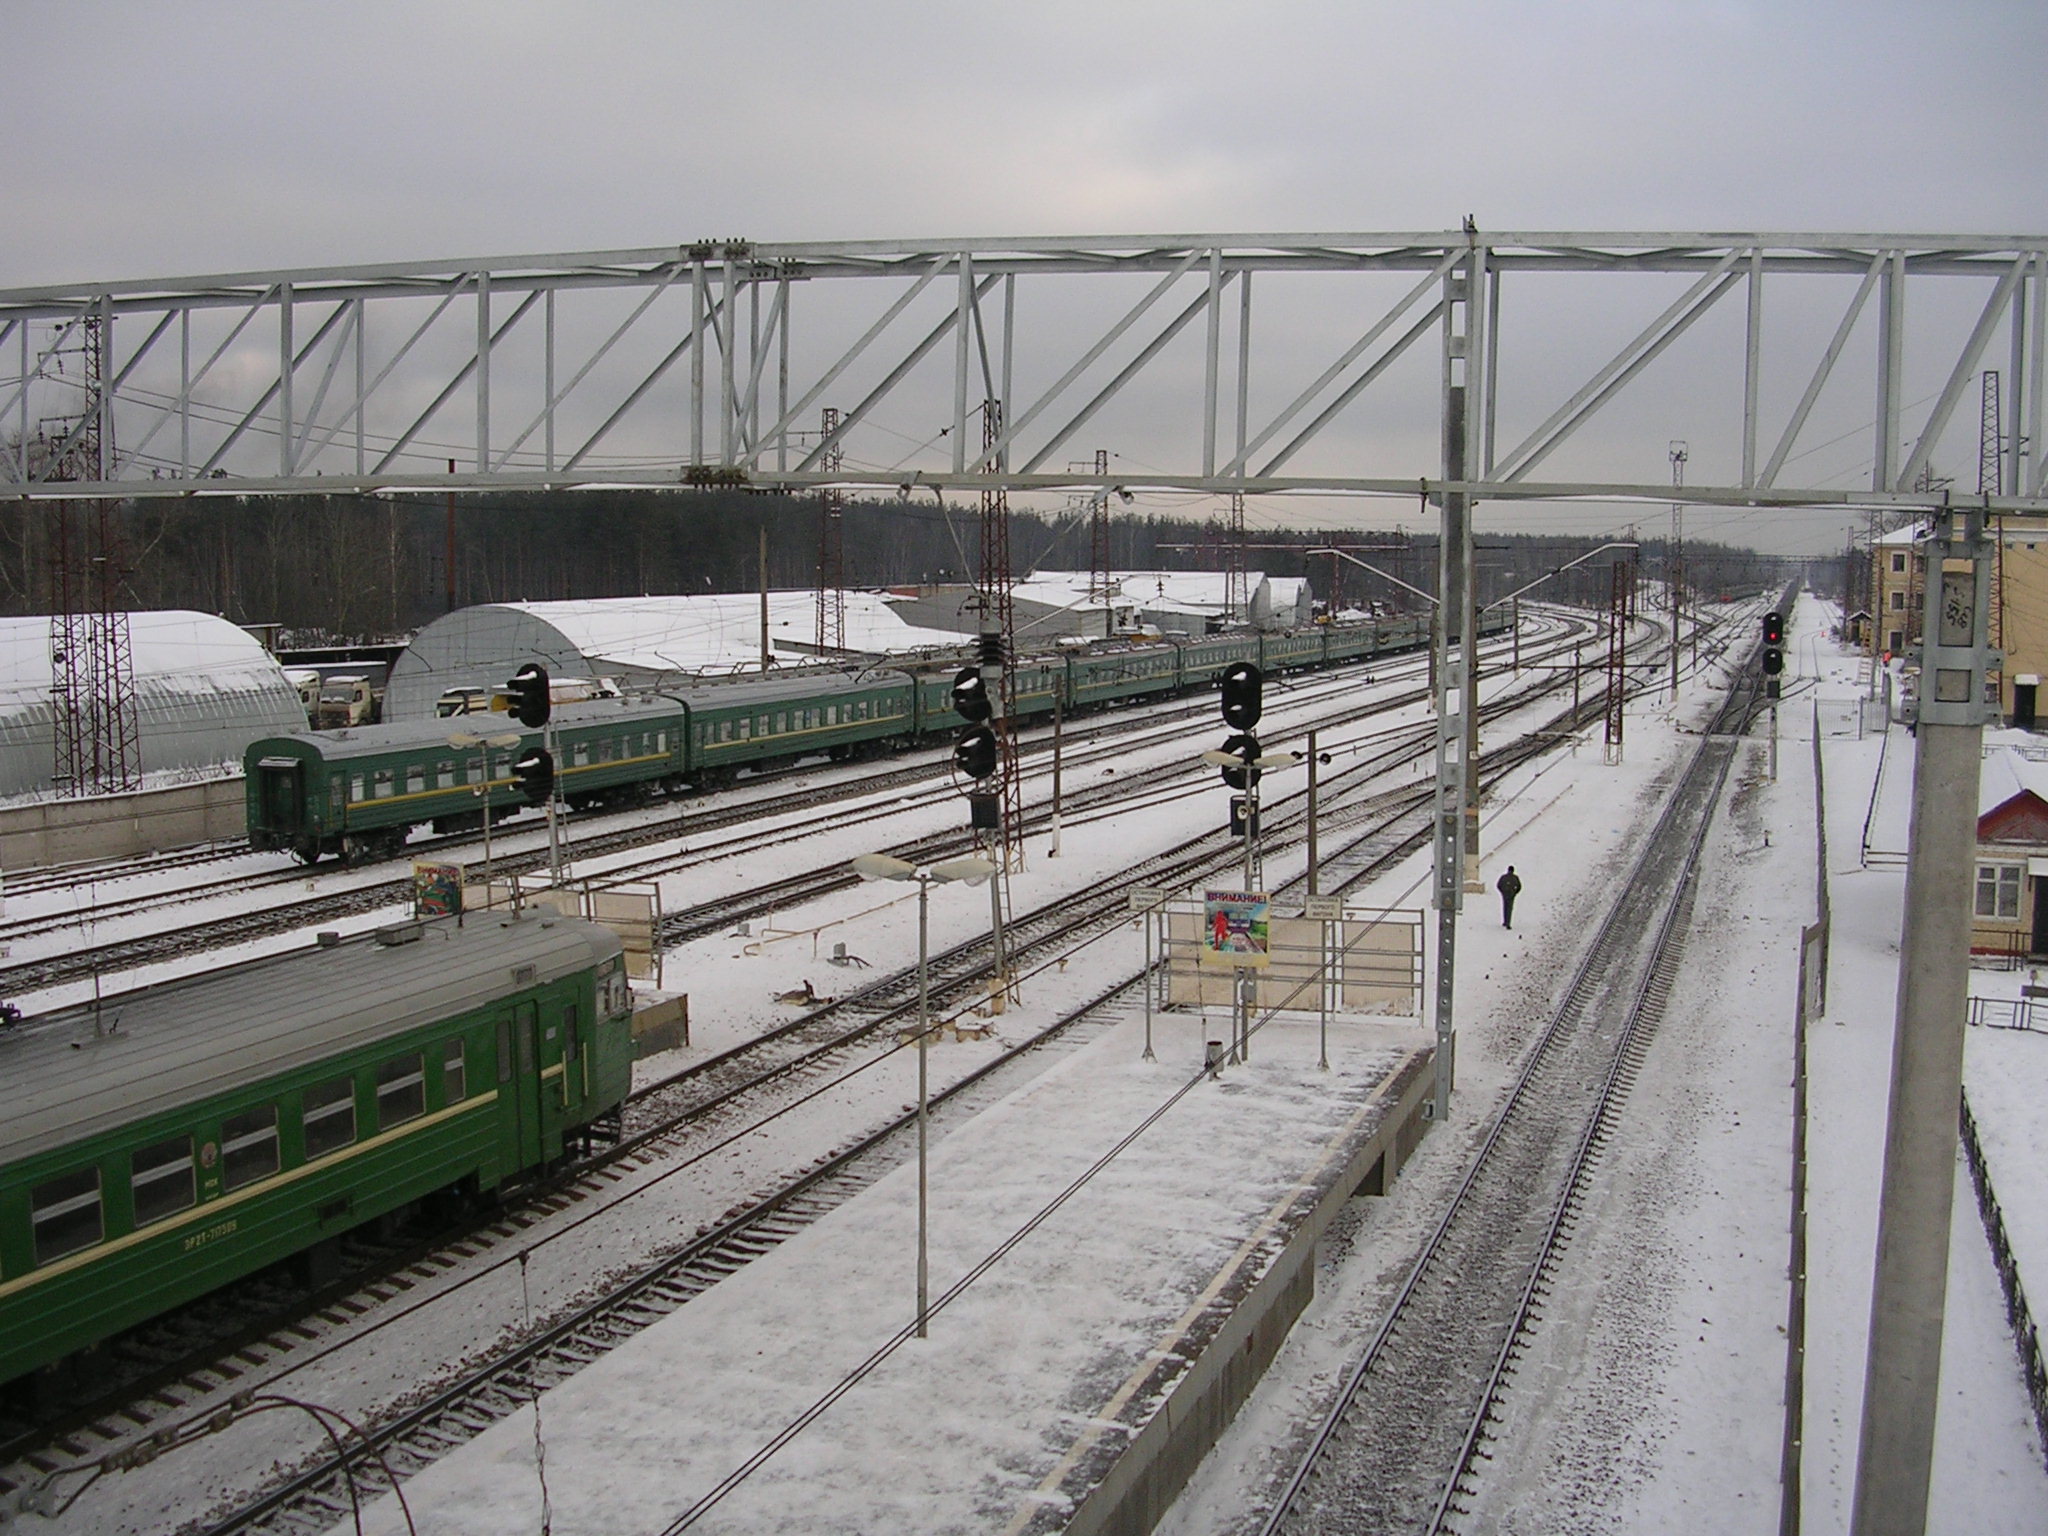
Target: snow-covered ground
(1653,1397)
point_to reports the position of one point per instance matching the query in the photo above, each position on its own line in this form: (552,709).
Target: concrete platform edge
(1140,1485)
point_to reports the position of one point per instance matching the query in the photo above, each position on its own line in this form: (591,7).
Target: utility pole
(1455,669)
(1676,556)
(1901,1382)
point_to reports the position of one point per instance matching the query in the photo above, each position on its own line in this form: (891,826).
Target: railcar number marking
(212,1234)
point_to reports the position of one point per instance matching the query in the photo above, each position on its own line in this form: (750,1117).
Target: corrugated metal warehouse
(638,641)
(204,690)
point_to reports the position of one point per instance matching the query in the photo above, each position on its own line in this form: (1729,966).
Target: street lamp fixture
(969,871)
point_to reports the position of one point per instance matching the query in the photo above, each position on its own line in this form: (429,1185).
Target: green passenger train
(357,794)
(191,1133)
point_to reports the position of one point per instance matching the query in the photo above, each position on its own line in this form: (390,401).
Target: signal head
(531,697)
(975,753)
(1774,628)
(1245,746)
(1242,684)
(535,771)
(970,696)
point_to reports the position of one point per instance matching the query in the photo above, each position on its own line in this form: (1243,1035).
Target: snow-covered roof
(2006,772)
(204,690)
(634,639)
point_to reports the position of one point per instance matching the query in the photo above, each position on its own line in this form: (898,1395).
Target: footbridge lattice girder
(1229,364)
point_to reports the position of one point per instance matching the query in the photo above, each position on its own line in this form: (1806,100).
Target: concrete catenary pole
(1901,1382)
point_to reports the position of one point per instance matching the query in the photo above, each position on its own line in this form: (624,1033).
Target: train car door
(559,1092)
(519,1118)
(277,792)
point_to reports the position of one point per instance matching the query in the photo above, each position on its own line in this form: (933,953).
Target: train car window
(380,784)
(579,755)
(330,1116)
(401,1091)
(473,772)
(415,779)
(162,1180)
(248,1147)
(661,741)
(454,1073)
(66,1214)
(355,787)
(444,775)
(340,792)
(832,714)
(504,1050)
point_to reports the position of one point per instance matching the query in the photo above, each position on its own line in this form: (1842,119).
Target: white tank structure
(204,689)
(639,642)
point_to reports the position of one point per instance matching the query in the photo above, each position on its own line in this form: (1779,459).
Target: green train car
(357,794)
(194,1132)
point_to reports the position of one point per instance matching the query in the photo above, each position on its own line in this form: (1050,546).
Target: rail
(2026,1335)
(1604,1061)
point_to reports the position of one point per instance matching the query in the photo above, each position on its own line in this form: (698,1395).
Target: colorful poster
(1235,928)
(436,890)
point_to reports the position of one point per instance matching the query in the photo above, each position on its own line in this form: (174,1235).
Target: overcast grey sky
(209,135)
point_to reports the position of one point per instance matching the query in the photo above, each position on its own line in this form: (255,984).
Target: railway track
(1409,1428)
(714,1093)
(818,805)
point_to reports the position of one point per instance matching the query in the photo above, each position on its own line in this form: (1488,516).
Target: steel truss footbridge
(1498,366)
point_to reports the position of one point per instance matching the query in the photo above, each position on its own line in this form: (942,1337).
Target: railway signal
(1773,657)
(975,753)
(530,696)
(535,772)
(1241,774)
(1242,685)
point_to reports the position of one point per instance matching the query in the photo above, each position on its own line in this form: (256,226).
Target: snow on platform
(1041,1372)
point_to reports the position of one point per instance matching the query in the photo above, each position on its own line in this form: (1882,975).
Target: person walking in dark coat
(1510,886)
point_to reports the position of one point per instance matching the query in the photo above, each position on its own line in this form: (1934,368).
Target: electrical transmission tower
(831,628)
(92,662)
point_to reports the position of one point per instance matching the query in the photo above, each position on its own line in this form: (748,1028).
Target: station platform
(1144,1237)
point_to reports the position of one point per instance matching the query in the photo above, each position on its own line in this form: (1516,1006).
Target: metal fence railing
(2033,1365)
(2010,1013)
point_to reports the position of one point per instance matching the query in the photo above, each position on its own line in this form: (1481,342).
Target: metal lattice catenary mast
(97,727)
(831,628)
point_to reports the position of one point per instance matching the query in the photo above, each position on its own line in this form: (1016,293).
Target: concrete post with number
(1901,1395)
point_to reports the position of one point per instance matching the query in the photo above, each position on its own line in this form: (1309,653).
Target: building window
(1998,890)
(1897,641)
(1899,560)
(330,1116)
(161,1180)
(66,1214)
(248,1147)
(401,1091)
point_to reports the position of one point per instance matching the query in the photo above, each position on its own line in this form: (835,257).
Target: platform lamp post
(463,740)
(971,871)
